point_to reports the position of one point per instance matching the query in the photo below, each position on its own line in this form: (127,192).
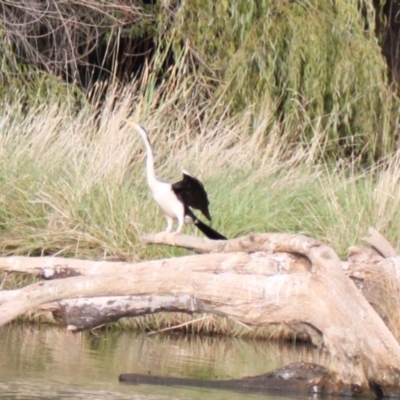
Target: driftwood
(259,279)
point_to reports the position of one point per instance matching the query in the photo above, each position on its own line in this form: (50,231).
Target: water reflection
(51,363)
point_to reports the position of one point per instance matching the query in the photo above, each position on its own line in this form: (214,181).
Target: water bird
(177,199)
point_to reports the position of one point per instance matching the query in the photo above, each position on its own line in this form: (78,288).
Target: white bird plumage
(176,199)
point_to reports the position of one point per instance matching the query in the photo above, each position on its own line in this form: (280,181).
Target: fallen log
(87,313)
(56,267)
(258,280)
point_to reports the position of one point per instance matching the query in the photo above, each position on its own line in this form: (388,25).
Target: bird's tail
(208,231)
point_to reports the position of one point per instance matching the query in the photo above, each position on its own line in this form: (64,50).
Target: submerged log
(295,377)
(259,279)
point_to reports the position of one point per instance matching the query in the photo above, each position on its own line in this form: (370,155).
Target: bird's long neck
(151,175)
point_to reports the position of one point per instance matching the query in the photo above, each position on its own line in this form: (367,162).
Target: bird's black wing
(192,193)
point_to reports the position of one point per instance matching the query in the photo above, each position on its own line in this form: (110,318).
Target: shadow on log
(258,280)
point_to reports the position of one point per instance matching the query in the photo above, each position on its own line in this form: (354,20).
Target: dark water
(51,363)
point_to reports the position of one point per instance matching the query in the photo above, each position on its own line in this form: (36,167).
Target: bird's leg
(170,224)
(181,223)
(159,238)
(171,236)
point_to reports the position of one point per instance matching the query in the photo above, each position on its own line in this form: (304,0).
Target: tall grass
(73,183)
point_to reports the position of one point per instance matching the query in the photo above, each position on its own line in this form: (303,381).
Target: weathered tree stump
(259,279)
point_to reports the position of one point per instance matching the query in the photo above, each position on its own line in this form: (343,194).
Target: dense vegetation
(316,68)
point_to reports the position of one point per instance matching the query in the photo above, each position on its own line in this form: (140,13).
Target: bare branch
(380,243)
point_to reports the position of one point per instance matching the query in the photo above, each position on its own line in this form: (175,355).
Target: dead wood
(88,313)
(295,377)
(274,242)
(57,267)
(376,272)
(380,243)
(259,279)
